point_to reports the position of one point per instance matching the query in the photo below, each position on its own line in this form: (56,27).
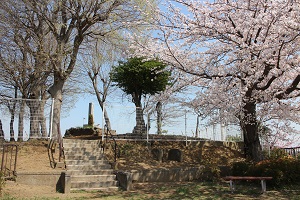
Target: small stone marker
(157,154)
(175,154)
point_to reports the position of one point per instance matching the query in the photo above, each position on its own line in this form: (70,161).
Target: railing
(9,160)
(51,149)
(60,145)
(108,134)
(293,151)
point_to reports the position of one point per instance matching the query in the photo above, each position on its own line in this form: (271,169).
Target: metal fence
(184,123)
(292,151)
(21,119)
(9,160)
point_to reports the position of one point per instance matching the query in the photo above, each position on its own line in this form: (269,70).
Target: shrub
(285,170)
(125,149)
(275,153)
(86,131)
(241,168)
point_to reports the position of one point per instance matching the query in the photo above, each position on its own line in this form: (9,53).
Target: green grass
(191,190)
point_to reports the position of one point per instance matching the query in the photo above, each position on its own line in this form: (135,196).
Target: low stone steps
(87,162)
(87,166)
(104,189)
(81,150)
(96,184)
(91,172)
(83,157)
(93,178)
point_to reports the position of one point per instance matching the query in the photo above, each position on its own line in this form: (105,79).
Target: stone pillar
(91,115)
(125,180)
(67,182)
(91,109)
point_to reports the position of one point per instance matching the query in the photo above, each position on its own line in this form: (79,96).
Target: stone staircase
(87,166)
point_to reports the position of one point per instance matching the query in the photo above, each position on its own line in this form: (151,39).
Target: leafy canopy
(141,76)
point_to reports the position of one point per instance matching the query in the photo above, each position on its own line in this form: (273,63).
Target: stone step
(83,149)
(97,184)
(69,140)
(86,162)
(82,143)
(88,167)
(104,189)
(79,145)
(91,172)
(86,154)
(93,178)
(84,157)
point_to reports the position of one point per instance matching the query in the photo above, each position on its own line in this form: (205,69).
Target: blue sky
(122,118)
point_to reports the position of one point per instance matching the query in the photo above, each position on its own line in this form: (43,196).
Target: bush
(125,149)
(86,131)
(275,153)
(285,170)
(241,168)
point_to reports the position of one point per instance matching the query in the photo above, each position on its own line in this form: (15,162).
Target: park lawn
(187,190)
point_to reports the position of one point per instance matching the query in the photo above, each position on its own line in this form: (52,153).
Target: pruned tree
(97,64)
(139,77)
(243,56)
(24,61)
(72,23)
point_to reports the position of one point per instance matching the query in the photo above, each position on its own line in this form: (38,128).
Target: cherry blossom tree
(242,55)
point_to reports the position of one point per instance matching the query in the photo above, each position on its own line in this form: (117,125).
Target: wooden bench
(250,178)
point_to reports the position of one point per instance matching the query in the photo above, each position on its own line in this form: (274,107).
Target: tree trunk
(197,126)
(56,93)
(140,127)
(12,117)
(101,103)
(42,119)
(33,105)
(21,119)
(250,132)
(1,130)
(11,125)
(159,117)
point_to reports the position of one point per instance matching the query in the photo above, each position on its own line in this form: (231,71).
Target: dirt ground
(33,157)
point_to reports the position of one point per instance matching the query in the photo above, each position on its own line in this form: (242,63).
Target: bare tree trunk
(42,119)
(1,130)
(21,119)
(106,119)
(101,103)
(34,122)
(56,93)
(11,125)
(197,126)
(249,127)
(159,117)
(12,116)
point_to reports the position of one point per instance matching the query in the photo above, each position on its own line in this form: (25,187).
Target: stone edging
(126,178)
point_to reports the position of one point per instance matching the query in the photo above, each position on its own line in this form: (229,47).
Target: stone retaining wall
(126,178)
(53,179)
